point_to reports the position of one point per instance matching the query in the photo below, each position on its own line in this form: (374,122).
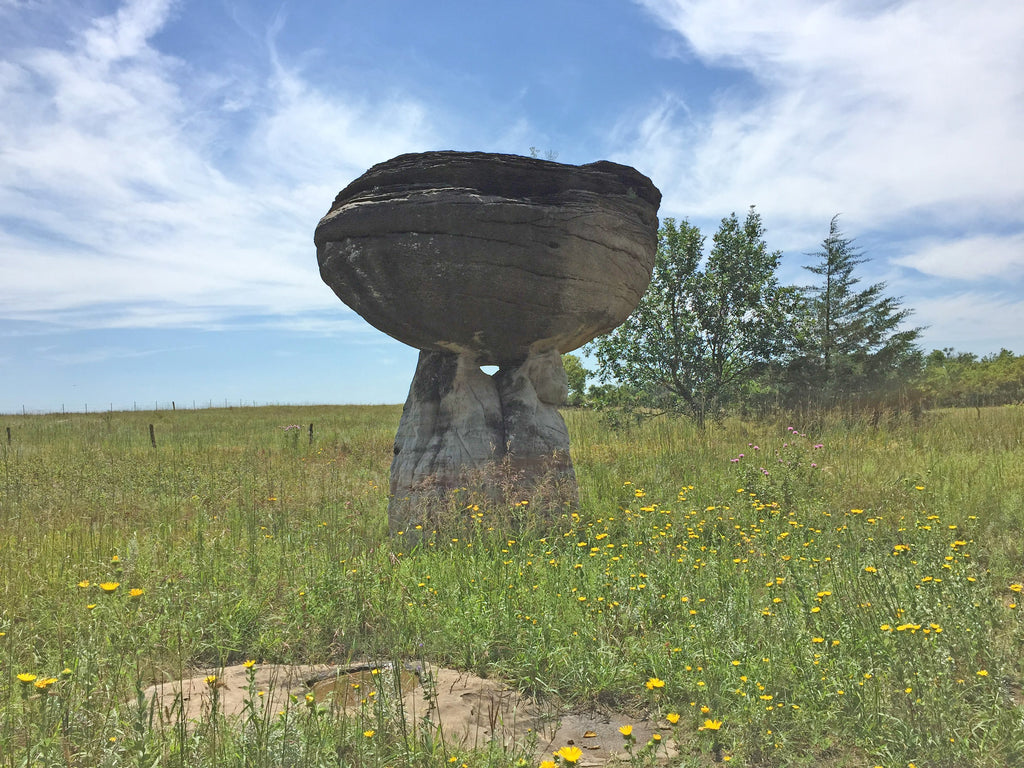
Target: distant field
(826,594)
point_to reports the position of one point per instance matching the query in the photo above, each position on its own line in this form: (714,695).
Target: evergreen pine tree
(852,345)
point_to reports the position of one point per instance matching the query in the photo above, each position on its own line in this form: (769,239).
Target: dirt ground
(468,710)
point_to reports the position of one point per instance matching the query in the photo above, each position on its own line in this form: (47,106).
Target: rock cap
(491,255)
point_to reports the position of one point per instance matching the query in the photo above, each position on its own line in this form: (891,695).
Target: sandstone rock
(484,259)
(466,711)
(451,425)
(502,435)
(491,255)
(536,438)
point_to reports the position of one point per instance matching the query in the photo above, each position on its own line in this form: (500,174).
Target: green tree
(852,344)
(1005,380)
(577,377)
(703,328)
(947,377)
(960,379)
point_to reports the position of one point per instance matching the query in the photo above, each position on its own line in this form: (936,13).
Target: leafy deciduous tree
(576,375)
(960,379)
(699,334)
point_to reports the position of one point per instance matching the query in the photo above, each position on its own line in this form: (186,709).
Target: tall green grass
(843,594)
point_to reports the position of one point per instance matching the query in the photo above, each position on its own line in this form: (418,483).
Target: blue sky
(163,163)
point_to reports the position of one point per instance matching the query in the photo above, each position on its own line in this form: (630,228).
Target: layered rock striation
(486,259)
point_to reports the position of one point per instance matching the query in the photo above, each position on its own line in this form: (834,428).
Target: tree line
(717,332)
(953,379)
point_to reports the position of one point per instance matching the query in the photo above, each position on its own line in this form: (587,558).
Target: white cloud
(126,33)
(139,192)
(98,355)
(972,321)
(971,258)
(877,110)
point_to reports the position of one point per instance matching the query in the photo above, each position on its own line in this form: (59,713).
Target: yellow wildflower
(571,755)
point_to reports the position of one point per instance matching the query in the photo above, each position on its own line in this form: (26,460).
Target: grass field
(805,594)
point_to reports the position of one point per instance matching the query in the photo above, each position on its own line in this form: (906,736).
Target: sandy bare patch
(468,711)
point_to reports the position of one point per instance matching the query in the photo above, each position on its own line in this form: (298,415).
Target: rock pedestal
(462,428)
(484,259)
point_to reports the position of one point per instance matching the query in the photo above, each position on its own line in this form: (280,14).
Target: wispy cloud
(137,189)
(879,110)
(972,320)
(904,116)
(98,355)
(970,258)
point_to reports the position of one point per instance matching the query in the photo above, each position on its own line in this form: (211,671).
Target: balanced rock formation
(485,259)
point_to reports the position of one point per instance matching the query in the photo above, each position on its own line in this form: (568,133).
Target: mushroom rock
(487,259)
